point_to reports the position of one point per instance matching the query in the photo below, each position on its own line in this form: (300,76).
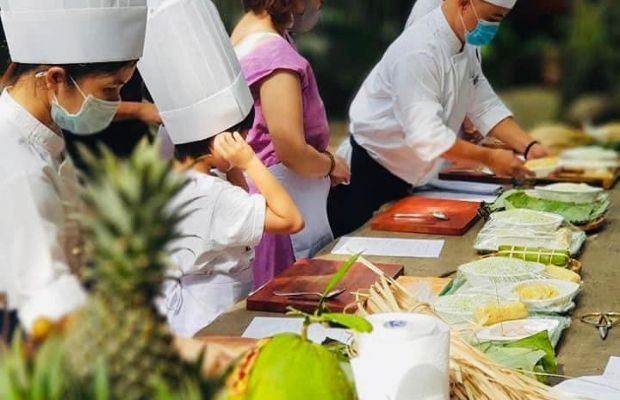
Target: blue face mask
(483,33)
(94,116)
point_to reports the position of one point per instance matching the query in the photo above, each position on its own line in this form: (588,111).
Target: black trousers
(10,318)
(372,186)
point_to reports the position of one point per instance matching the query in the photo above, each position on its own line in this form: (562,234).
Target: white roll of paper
(406,357)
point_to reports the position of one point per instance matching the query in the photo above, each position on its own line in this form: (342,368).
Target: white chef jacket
(40,238)
(411,106)
(212,262)
(422,8)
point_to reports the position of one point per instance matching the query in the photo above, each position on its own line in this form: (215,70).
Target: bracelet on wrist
(526,153)
(332,160)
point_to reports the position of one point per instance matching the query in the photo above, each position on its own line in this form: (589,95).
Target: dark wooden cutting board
(313,276)
(556,177)
(462,214)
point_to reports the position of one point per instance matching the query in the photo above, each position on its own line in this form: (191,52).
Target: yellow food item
(562,274)
(490,314)
(548,162)
(537,291)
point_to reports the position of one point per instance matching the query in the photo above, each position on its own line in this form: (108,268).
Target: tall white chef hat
(191,70)
(74,31)
(503,3)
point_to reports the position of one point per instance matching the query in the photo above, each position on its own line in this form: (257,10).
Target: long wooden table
(581,351)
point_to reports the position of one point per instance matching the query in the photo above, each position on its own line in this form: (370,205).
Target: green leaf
(337,278)
(542,342)
(350,321)
(518,358)
(572,212)
(532,354)
(453,286)
(101,389)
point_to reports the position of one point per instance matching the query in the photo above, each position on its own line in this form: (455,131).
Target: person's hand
(471,130)
(538,151)
(234,149)
(341,173)
(149,114)
(506,163)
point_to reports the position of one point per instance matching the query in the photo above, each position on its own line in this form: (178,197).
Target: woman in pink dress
(290,132)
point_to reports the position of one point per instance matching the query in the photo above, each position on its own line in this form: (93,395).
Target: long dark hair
(76,71)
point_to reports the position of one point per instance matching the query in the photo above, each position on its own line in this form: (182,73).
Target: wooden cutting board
(313,276)
(606,182)
(474,176)
(462,214)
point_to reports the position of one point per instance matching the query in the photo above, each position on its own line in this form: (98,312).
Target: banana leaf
(533,354)
(572,212)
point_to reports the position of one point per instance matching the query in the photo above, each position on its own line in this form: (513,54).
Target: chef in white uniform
(405,118)
(72,59)
(196,81)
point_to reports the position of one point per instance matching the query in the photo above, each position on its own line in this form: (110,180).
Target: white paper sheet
(606,387)
(416,248)
(589,388)
(263,327)
(613,369)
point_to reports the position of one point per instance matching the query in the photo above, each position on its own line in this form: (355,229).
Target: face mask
(307,20)
(483,33)
(94,116)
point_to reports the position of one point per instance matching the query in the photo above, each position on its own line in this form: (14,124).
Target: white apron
(310,195)
(195,301)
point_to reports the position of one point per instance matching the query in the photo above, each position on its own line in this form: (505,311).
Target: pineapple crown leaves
(36,377)
(130,221)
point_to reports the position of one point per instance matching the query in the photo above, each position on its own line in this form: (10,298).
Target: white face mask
(94,116)
(307,20)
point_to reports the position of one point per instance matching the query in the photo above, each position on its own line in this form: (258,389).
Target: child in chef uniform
(212,260)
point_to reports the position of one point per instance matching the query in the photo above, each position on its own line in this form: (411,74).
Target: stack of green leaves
(533,354)
(574,213)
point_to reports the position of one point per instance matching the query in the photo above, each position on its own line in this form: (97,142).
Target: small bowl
(542,168)
(567,291)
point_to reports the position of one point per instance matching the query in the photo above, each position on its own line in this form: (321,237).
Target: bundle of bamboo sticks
(473,375)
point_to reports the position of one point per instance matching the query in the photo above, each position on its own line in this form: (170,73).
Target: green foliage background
(581,36)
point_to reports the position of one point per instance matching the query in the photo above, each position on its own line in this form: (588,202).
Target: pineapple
(130,226)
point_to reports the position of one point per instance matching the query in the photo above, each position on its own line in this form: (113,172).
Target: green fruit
(289,367)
